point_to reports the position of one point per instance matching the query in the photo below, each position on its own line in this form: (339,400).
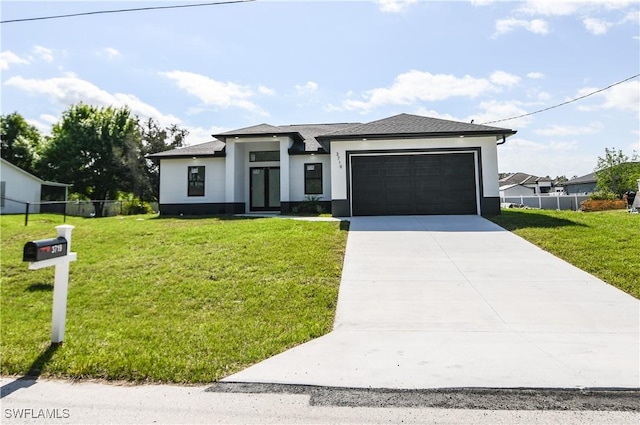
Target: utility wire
(564,103)
(100,12)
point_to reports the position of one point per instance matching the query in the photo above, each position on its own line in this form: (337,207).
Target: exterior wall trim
(208,208)
(477,150)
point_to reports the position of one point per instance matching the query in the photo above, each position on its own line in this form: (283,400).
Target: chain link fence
(110,208)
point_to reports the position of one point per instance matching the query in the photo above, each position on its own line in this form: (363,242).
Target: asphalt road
(61,402)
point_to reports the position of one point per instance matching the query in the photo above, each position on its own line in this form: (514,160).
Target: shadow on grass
(32,375)
(200,217)
(36,287)
(526,219)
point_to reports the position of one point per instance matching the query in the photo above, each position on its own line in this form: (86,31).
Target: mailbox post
(54,252)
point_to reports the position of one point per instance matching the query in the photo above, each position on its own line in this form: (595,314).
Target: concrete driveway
(456,301)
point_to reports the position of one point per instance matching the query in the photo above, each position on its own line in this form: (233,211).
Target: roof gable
(213,148)
(4,163)
(522,179)
(263,128)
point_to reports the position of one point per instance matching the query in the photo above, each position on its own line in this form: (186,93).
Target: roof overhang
(56,184)
(326,141)
(217,154)
(297,137)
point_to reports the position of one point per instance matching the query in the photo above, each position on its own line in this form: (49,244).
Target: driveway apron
(457,301)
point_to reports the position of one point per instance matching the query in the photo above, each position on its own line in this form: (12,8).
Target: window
(196,181)
(264,156)
(313,179)
(2,186)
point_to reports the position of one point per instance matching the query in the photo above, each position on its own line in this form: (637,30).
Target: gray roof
(300,133)
(309,132)
(313,137)
(414,125)
(253,130)
(213,148)
(587,178)
(522,178)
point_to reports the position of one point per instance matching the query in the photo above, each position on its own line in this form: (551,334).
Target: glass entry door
(265,189)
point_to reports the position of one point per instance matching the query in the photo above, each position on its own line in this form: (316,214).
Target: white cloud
(550,158)
(307,88)
(109,53)
(266,91)
(70,90)
(502,78)
(48,118)
(536,26)
(395,6)
(43,53)
(623,97)
(596,26)
(482,2)
(497,110)
(199,135)
(570,7)
(535,75)
(414,86)
(212,92)
(8,58)
(551,8)
(565,130)
(632,17)
(43,128)
(435,114)
(543,96)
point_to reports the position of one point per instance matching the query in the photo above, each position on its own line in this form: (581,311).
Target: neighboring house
(405,164)
(17,187)
(516,190)
(581,185)
(538,184)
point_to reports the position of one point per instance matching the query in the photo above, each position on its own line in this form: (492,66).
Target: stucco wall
(580,188)
(517,191)
(20,186)
(174,184)
(296,190)
(487,147)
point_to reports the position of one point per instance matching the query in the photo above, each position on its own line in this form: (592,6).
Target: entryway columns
(284,169)
(229,172)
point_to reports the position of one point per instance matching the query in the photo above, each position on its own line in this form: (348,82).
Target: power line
(564,103)
(100,12)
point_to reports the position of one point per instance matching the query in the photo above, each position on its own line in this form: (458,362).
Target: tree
(97,150)
(20,141)
(560,179)
(616,173)
(156,139)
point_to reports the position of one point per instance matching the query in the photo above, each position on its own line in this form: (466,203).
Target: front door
(265,188)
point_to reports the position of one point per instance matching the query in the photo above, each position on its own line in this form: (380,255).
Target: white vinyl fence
(547,202)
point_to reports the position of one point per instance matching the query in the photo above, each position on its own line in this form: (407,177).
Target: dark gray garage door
(413,184)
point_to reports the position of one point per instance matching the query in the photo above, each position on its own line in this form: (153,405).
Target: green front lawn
(169,300)
(605,244)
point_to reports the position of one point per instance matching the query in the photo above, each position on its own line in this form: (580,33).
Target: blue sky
(217,68)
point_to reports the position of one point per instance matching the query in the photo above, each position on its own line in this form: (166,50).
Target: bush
(136,206)
(603,205)
(310,205)
(603,195)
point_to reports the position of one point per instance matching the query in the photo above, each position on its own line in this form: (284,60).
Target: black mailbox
(44,249)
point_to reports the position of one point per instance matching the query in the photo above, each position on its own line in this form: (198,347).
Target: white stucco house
(540,185)
(404,164)
(18,187)
(516,190)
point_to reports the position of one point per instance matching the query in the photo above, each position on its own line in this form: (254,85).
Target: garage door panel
(413,184)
